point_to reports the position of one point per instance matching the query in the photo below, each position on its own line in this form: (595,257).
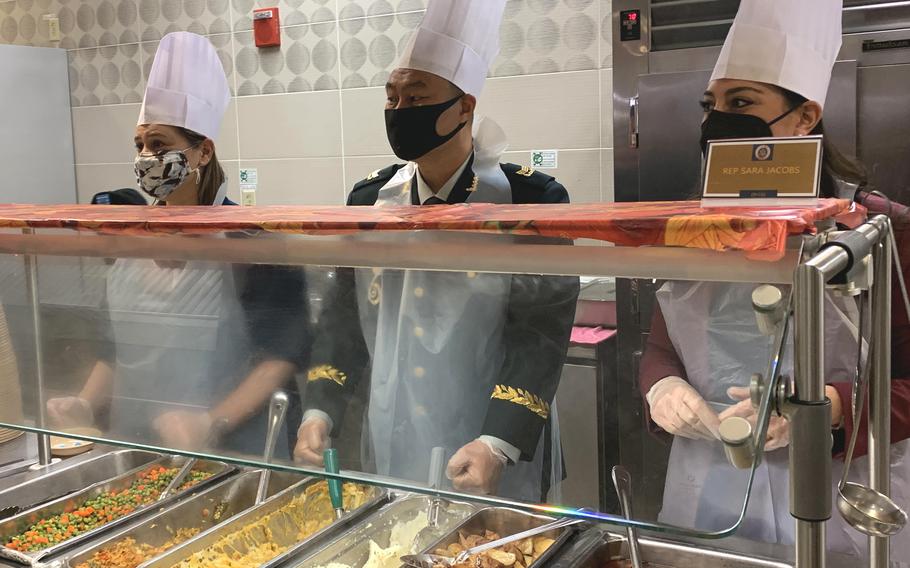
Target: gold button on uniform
(420,372)
(418,292)
(418,331)
(472,275)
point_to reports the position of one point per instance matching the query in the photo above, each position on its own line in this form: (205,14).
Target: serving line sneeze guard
(685,241)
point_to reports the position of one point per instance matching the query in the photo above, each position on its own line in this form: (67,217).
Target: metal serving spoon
(865,509)
(278,409)
(622,481)
(214,433)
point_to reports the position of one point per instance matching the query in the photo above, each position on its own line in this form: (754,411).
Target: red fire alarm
(266,27)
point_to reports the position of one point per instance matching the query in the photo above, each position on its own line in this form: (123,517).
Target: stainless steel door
(884,130)
(668,126)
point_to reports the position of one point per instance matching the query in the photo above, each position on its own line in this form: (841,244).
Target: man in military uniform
(465,362)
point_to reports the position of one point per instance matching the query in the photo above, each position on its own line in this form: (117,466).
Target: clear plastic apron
(435,340)
(713,330)
(182,344)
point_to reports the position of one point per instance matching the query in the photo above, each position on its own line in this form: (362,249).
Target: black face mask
(727,125)
(412,130)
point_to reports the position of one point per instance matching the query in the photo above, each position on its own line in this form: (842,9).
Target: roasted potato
(504,558)
(541,545)
(526,546)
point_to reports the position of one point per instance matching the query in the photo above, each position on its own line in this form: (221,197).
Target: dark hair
(212,174)
(124,196)
(835,165)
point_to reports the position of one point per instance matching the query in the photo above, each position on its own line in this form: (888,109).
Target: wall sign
(249,183)
(545,159)
(872,45)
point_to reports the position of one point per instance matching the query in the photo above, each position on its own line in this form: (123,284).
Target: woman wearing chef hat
(181,115)
(200,346)
(771,79)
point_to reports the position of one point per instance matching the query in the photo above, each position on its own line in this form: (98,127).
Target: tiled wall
(308,115)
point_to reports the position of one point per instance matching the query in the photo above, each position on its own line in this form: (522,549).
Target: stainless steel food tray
(202,511)
(15,525)
(599,549)
(353,547)
(68,479)
(282,534)
(504,522)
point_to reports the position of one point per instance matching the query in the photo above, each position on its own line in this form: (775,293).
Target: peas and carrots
(100,510)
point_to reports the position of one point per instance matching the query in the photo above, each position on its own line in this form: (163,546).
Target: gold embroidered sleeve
(524,398)
(326,373)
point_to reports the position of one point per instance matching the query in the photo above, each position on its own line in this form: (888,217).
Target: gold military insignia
(373,175)
(326,373)
(524,398)
(474,183)
(525,171)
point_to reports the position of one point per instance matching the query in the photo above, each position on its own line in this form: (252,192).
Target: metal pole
(810,544)
(810,412)
(31,277)
(880,391)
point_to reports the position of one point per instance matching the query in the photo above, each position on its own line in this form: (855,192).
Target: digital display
(630,25)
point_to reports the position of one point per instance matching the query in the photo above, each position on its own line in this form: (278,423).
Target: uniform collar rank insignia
(326,373)
(474,183)
(373,176)
(525,171)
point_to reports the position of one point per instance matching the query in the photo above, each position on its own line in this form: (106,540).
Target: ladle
(865,509)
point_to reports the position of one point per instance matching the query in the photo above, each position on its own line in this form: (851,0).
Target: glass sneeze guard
(399,343)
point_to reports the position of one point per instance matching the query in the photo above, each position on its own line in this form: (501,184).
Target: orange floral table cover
(684,224)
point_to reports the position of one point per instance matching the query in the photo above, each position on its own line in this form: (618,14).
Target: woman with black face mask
(771,80)
(736,108)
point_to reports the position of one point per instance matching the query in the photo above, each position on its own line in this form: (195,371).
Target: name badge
(763,167)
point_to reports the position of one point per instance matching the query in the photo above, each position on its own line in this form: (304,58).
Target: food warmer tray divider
(188,513)
(250,516)
(351,548)
(15,525)
(591,545)
(505,521)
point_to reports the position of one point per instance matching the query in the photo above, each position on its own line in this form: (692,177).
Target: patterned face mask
(160,174)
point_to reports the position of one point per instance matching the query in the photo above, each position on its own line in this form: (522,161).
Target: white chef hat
(186,86)
(457,40)
(789,43)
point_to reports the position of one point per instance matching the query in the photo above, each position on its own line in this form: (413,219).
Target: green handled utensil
(335,486)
